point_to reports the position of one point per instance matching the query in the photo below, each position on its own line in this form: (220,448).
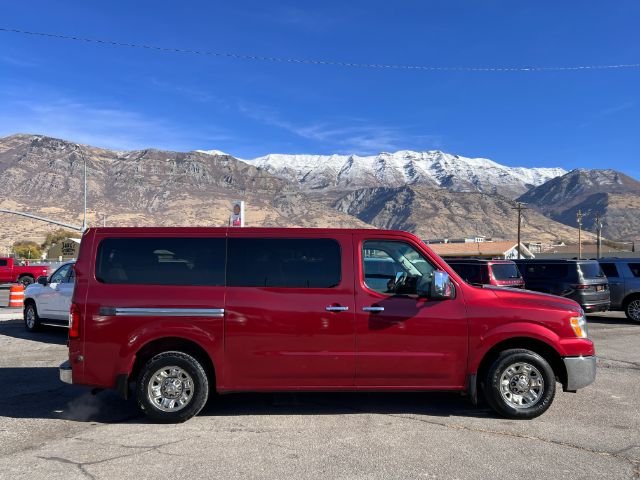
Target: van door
(289,306)
(405,339)
(148,286)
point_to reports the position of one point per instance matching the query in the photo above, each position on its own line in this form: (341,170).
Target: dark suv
(624,281)
(501,273)
(581,280)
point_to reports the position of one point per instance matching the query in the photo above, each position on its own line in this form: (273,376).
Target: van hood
(536,299)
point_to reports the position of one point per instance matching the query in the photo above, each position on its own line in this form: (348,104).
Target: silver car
(47,302)
(624,283)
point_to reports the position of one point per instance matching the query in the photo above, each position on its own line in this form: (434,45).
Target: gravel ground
(51,430)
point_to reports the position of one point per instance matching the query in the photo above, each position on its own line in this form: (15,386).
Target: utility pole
(599,225)
(519,206)
(84,212)
(84,217)
(579,216)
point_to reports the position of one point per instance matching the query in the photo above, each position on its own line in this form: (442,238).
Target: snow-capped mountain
(212,152)
(431,168)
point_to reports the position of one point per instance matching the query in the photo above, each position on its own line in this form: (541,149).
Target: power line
(333,63)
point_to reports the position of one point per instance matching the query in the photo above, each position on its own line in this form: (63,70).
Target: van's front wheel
(172,387)
(520,384)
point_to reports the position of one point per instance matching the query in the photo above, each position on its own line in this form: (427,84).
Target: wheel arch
(168,344)
(535,345)
(29,300)
(629,298)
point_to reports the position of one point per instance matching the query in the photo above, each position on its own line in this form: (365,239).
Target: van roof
(263,230)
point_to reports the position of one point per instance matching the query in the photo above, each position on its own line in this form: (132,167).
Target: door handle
(336,308)
(373,309)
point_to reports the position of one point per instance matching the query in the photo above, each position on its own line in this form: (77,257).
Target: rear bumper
(596,306)
(581,371)
(65,372)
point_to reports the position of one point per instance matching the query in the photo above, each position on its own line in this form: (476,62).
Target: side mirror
(43,280)
(441,286)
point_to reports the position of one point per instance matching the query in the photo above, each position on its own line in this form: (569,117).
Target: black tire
(199,387)
(631,309)
(31,318)
(26,280)
(505,405)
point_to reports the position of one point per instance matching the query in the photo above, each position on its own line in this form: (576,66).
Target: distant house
(475,239)
(66,249)
(534,247)
(497,250)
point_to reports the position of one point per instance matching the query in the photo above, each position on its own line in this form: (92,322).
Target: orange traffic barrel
(16,296)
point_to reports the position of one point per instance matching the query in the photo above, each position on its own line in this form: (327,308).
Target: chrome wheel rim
(30,317)
(170,389)
(521,385)
(634,310)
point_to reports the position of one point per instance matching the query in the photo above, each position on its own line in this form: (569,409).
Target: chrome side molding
(164,312)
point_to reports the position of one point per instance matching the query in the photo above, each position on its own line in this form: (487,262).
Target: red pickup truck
(25,274)
(184,312)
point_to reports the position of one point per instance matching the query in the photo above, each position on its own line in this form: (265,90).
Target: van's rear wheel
(520,384)
(172,387)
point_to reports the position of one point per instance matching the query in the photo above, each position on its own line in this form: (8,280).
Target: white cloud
(98,125)
(344,135)
(17,62)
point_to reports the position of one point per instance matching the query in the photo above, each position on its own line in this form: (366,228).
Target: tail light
(74,321)
(581,287)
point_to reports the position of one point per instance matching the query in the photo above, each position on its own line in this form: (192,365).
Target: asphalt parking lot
(51,430)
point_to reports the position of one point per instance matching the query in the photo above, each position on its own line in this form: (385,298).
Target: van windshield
(591,270)
(505,271)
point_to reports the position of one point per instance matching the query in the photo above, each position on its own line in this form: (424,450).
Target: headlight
(579,325)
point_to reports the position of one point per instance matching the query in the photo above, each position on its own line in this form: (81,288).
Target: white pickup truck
(47,302)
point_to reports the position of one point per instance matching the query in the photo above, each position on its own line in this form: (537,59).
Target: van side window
(609,269)
(635,269)
(400,259)
(284,263)
(4,263)
(161,261)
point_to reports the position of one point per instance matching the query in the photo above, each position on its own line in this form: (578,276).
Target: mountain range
(611,196)
(431,169)
(433,194)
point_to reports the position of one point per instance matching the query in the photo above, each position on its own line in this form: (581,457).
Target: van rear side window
(162,261)
(284,263)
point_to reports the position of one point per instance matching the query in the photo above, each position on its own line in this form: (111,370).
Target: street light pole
(519,206)
(84,218)
(579,216)
(84,211)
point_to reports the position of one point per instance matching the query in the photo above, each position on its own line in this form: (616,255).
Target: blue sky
(127,98)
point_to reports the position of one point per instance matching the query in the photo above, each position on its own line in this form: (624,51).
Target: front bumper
(65,372)
(581,371)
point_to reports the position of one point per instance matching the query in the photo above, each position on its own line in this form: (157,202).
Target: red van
(180,312)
